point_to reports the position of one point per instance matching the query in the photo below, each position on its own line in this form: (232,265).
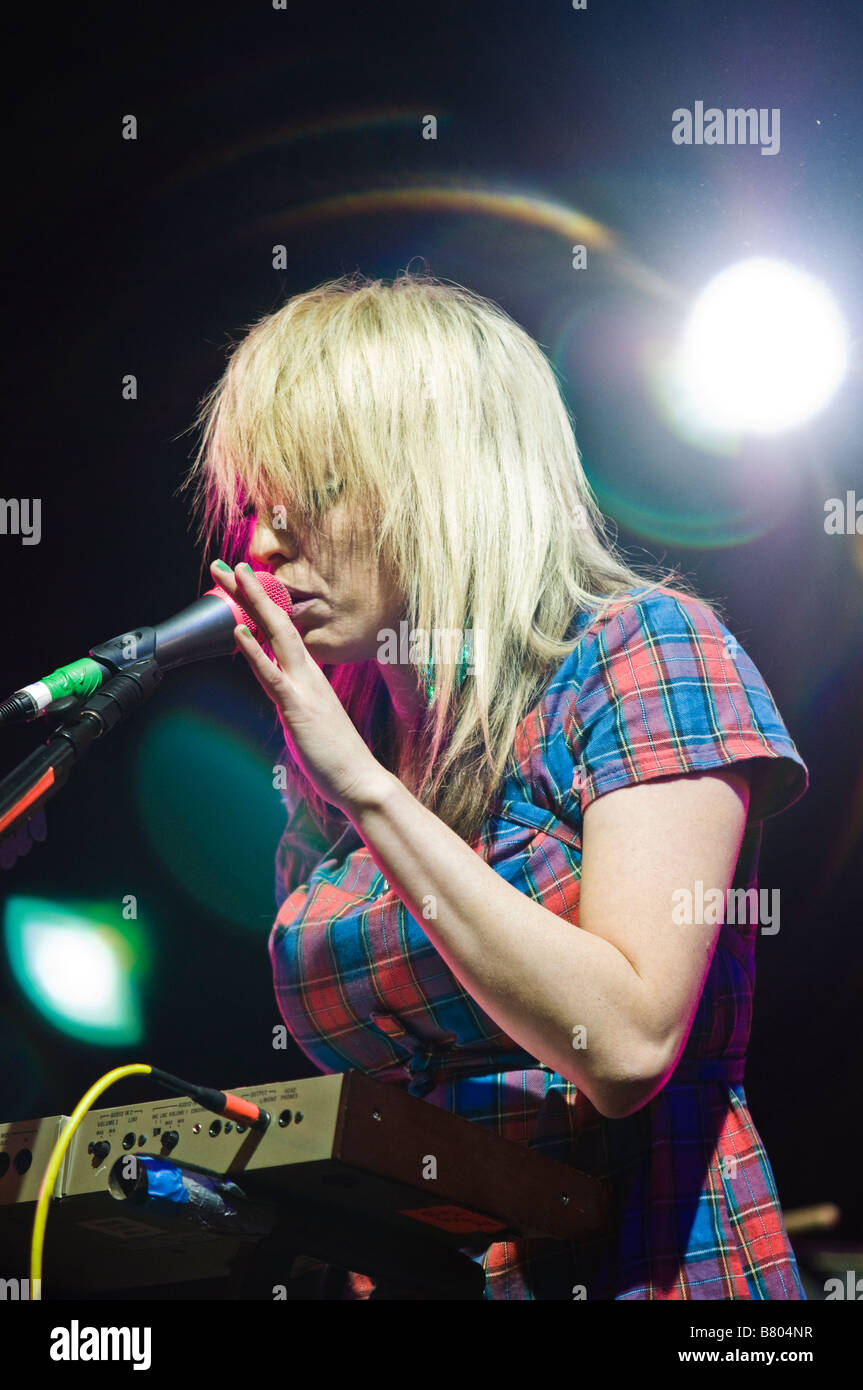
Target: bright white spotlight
(764,349)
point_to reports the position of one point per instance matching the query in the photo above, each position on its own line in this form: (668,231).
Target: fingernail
(244,630)
(220,565)
(246,566)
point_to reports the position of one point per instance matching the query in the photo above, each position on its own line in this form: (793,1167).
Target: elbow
(632,1082)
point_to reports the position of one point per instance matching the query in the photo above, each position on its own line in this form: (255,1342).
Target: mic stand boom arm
(41,774)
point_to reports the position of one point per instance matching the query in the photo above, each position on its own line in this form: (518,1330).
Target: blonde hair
(437,416)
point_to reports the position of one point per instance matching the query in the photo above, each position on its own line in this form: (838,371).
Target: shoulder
(644,616)
(658,686)
(639,639)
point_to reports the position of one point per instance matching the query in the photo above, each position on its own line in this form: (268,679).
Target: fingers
(224,575)
(267,672)
(271,620)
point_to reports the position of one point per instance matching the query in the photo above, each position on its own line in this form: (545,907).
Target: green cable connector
(79,678)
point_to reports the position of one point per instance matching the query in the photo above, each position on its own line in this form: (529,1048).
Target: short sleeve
(663,689)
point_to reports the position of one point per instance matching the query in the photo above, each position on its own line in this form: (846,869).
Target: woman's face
(341,597)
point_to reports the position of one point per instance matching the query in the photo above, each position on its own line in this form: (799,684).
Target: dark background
(148,256)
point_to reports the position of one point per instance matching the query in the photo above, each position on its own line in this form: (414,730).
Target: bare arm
(627,975)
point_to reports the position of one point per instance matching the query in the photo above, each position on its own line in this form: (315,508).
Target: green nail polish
(220,565)
(244,630)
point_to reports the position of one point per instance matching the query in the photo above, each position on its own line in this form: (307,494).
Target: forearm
(537,975)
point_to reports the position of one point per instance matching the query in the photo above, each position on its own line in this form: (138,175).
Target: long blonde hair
(431,411)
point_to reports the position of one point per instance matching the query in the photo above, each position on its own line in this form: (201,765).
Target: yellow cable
(53,1168)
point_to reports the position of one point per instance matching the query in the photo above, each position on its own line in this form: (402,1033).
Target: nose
(269,543)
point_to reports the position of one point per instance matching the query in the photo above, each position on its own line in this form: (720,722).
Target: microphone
(204,629)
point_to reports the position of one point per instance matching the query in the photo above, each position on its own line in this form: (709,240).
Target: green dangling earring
(428,672)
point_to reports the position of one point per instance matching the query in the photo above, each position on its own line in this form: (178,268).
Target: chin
(324,650)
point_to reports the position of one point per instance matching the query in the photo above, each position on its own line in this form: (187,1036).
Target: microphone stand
(41,774)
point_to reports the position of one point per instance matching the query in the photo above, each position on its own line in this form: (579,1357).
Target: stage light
(764,349)
(75,968)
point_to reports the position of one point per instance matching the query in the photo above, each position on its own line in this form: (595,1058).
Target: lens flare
(77,968)
(206,798)
(764,349)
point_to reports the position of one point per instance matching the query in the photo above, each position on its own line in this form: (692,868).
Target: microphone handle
(202,630)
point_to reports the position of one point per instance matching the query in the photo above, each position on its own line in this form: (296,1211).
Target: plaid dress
(655,687)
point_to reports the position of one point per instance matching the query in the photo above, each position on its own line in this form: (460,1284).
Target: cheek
(387,602)
(370,606)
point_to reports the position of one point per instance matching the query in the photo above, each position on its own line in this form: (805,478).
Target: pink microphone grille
(272,588)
